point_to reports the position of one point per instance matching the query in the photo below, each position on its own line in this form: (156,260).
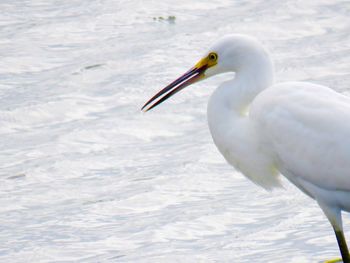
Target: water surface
(86,177)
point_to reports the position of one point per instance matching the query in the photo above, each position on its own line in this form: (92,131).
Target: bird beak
(193,75)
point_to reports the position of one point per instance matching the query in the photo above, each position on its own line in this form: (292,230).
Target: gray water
(86,177)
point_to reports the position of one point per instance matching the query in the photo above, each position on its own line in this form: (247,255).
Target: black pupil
(212,57)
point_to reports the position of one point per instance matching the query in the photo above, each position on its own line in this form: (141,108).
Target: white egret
(297,129)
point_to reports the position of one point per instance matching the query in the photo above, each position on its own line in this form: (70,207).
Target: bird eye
(213,56)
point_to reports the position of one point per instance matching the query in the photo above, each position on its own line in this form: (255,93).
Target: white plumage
(295,129)
(307,127)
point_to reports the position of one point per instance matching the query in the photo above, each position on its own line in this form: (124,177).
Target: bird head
(229,54)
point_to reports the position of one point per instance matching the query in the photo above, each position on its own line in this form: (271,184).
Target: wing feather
(307,127)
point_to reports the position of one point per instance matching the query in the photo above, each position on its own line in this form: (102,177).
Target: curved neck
(233,132)
(236,95)
(228,107)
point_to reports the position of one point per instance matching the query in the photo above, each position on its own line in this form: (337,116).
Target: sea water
(87,177)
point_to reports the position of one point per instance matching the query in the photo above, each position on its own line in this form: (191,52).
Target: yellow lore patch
(208,61)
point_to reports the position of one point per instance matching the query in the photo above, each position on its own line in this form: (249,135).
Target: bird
(267,130)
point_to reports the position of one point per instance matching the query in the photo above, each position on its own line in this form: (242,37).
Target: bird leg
(342,245)
(334,216)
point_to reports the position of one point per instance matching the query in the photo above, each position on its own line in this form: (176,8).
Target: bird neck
(236,95)
(232,130)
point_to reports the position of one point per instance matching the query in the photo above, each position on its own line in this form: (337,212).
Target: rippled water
(85,176)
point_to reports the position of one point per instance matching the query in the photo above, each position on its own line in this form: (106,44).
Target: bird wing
(307,128)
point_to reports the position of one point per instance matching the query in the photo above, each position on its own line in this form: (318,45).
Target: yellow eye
(213,56)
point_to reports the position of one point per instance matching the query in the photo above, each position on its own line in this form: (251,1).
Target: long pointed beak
(193,75)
